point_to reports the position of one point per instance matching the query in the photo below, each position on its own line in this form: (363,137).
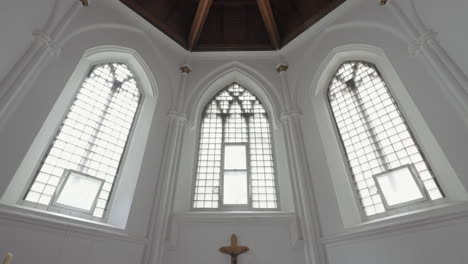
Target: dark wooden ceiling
(227,25)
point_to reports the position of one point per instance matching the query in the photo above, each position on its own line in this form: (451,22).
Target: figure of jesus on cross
(234,250)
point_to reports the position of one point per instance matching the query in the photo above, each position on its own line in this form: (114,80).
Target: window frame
(223,171)
(125,188)
(397,209)
(422,190)
(221,206)
(61,185)
(346,202)
(110,201)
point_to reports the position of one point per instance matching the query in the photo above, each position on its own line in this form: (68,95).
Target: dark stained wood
(311,19)
(269,20)
(234,250)
(235,3)
(198,22)
(233,47)
(139,9)
(233,27)
(227,25)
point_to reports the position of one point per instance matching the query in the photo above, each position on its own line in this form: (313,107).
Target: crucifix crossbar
(234,250)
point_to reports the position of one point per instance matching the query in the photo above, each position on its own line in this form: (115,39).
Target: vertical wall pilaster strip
(13,87)
(424,42)
(165,188)
(304,200)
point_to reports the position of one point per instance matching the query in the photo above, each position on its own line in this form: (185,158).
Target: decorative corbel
(282,67)
(185,69)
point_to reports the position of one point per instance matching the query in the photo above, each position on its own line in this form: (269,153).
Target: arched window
(387,166)
(235,160)
(79,170)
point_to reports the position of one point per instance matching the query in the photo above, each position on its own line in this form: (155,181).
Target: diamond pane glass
(93,135)
(374,133)
(236,125)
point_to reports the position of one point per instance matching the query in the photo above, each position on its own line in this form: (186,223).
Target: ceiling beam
(198,22)
(269,21)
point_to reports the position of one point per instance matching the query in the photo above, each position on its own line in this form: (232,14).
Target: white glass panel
(235,117)
(374,133)
(399,186)
(235,187)
(93,135)
(79,191)
(235,157)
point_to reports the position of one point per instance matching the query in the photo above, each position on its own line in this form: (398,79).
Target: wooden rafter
(198,22)
(269,20)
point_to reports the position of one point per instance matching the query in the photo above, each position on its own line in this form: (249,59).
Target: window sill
(60,222)
(399,223)
(229,216)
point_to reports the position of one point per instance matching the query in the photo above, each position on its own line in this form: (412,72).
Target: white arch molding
(222,77)
(120,202)
(347,202)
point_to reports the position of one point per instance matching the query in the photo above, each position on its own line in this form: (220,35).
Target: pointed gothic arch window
(235,167)
(387,166)
(79,170)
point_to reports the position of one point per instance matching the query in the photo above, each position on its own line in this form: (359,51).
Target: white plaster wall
(370,24)
(31,242)
(197,239)
(18,20)
(204,67)
(373,25)
(448,18)
(37,241)
(269,240)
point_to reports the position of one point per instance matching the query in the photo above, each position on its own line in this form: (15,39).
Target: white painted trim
(229,217)
(348,205)
(60,222)
(431,218)
(123,191)
(222,77)
(424,41)
(14,86)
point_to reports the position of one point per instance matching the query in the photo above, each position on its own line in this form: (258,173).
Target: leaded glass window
(235,161)
(79,169)
(387,166)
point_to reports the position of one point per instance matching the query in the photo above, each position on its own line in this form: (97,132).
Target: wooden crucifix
(234,250)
